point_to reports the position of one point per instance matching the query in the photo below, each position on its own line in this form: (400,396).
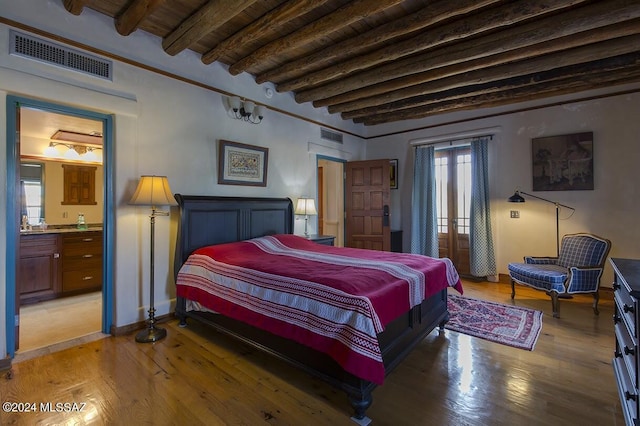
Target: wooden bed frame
(206,220)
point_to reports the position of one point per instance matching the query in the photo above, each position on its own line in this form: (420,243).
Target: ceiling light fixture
(73,152)
(246,110)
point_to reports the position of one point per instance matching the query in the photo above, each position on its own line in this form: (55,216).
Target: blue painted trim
(326,157)
(108,230)
(12,227)
(14,102)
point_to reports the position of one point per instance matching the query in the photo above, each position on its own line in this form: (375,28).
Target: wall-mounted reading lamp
(517,198)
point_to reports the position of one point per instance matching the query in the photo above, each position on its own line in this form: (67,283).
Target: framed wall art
(393,174)
(563,163)
(242,164)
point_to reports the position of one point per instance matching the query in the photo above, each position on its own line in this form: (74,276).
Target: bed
(208,225)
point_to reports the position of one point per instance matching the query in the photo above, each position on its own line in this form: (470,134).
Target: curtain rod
(431,140)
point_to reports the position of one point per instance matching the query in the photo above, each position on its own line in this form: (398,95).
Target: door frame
(12,231)
(343,162)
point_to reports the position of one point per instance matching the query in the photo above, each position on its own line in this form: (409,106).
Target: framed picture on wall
(563,163)
(242,164)
(393,174)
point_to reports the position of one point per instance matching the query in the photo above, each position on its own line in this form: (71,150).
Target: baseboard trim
(130,328)
(5,364)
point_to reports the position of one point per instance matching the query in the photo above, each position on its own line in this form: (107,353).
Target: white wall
(162,126)
(610,210)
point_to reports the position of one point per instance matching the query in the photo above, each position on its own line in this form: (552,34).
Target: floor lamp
(153,191)
(517,198)
(306,207)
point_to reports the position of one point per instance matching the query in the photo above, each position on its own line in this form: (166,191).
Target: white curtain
(424,229)
(482,256)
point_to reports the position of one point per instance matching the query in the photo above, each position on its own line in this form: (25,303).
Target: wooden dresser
(626,288)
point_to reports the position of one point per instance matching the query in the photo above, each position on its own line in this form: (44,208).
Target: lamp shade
(259,111)
(234,103)
(248,107)
(153,191)
(516,198)
(71,153)
(306,206)
(90,155)
(51,151)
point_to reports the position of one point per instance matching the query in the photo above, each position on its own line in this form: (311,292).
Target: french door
(453,192)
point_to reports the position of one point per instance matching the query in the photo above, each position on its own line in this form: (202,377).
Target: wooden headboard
(208,220)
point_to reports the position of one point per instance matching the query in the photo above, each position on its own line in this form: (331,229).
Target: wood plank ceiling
(381,61)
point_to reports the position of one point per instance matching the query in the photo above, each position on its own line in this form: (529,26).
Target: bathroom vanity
(59,262)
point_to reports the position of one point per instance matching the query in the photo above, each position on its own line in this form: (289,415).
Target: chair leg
(596,299)
(513,289)
(554,304)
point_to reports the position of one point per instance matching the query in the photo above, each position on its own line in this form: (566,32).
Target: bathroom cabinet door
(39,268)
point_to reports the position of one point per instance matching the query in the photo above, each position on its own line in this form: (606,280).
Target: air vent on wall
(331,136)
(51,53)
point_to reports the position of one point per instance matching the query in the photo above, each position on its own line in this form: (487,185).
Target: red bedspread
(333,299)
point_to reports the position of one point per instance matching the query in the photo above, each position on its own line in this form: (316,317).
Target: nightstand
(396,241)
(326,240)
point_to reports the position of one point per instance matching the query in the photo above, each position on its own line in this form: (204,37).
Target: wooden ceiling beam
(508,98)
(436,11)
(130,18)
(266,24)
(381,93)
(489,20)
(603,73)
(392,101)
(352,12)
(572,22)
(209,17)
(74,6)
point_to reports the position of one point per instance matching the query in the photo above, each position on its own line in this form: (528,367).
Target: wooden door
(367,205)
(453,191)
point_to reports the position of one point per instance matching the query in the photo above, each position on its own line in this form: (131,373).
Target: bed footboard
(396,342)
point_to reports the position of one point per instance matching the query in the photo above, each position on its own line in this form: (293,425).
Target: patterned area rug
(509,325)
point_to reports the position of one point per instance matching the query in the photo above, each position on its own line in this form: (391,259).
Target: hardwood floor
(196,376)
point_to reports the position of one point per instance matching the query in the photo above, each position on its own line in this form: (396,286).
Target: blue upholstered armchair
(577,269)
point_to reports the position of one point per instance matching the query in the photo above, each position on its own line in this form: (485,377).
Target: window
(463,168)
(32,187)
(442,195)
(453,189)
